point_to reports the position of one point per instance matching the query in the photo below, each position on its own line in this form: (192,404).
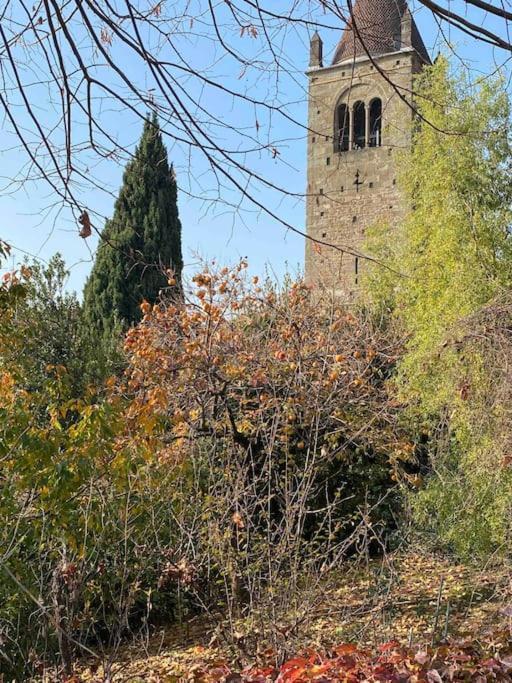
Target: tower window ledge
(358,150)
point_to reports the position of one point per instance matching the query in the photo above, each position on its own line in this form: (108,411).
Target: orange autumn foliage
(272,371)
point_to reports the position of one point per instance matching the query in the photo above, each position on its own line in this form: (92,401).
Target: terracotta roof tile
(379,25)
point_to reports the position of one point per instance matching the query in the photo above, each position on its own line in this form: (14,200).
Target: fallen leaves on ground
(350,664)
(414,618)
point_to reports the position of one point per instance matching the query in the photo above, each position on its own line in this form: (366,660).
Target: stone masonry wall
(339,210)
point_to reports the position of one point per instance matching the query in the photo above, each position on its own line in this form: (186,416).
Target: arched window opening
(359,114)
(375,123)
(342,128)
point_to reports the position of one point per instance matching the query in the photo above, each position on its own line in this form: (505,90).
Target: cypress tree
(138,244)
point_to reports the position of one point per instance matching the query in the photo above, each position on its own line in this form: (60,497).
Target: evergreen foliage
(138,244)
(454,252)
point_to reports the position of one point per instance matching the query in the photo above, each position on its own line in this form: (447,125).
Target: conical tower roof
(379,25)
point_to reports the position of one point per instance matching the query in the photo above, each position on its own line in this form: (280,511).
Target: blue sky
(216,224)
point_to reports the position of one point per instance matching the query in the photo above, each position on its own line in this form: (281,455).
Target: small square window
(394,181)
(398,62)
(371,185)
(342,188)
(321,213)
(313,139)
(318,111)
(354,219)
(324,235)
(328,161)
(321,190)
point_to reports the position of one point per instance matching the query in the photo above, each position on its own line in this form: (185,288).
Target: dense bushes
(77,540)
(454,252)
(78,553)
(249,447)
(275,405)
(466,504)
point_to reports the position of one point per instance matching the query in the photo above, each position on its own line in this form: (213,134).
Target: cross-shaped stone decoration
(358,182)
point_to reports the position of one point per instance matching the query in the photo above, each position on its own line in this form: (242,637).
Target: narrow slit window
(376,123)
(359,114)
(356,270)
(342,128)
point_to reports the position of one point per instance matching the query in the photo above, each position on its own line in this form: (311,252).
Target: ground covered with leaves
(408,618)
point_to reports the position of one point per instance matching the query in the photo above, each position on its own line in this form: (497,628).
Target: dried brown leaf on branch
(85,222)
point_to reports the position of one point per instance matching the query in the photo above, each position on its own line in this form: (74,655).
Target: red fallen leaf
(318,669)
(293,669)
(345,649)
(291,675)
(259,675)
(391,645)
(294,663)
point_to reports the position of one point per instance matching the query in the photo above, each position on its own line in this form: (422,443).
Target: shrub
(80,548)
(249,447)
(453,251)
(272,408)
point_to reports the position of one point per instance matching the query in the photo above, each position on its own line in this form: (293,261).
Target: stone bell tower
(358,118)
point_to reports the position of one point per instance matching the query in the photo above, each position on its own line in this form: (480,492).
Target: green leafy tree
(68,552)
(11,287)
(40,327)
(76,516)
(139,244)
(454,252)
